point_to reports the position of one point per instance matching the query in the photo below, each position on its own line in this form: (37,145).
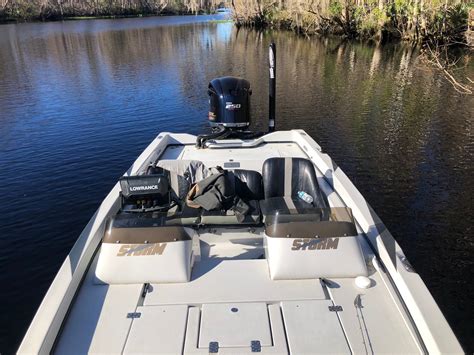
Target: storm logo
(140,250)
(315,244)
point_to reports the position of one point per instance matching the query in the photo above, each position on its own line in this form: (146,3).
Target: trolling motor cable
(226,133)
(219,133)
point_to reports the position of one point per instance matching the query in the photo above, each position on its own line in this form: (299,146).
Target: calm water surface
(80,100)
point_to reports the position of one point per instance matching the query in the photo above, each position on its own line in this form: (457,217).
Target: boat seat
(289,209)
(282,179)
(248,186)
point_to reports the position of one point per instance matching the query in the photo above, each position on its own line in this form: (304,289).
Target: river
(79,101)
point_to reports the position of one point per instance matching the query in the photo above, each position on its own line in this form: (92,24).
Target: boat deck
(231,305)
(232,302)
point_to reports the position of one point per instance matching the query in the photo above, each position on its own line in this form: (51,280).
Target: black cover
(229,217)
(217,192)
(248,184)
(302,175)
(229,102)
(145,185)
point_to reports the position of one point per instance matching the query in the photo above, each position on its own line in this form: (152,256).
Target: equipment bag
(216,192)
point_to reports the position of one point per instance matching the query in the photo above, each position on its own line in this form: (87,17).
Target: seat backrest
(287,176)
(248,184)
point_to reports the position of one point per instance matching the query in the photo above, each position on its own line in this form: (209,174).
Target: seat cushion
(229,217)
(289,210)
(185,216)
(175,216)
(287,176)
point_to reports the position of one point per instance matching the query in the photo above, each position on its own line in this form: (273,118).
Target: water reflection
(80,100)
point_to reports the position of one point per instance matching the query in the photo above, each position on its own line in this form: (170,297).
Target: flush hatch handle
(213,347)
(133,315)
(335,308)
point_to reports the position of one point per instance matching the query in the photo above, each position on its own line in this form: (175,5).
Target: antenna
(272,93)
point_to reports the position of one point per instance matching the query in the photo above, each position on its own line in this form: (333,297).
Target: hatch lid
(235,325)
(313,326)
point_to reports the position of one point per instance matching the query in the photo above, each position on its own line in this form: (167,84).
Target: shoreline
(381,21)
(6,21)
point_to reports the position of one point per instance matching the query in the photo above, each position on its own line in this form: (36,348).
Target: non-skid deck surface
(232,304)
(242,158)
(98,320)
(235,304)
(371,320)
(226,281)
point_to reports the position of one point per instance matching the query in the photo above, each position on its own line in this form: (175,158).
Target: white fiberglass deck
(232,301)
(232,304)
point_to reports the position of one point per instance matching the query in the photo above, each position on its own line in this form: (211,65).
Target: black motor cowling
(229,102)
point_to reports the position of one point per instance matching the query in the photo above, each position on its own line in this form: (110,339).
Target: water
(80,100)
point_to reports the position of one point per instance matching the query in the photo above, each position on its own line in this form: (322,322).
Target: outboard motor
(229,110)
(229,106)
(229,102)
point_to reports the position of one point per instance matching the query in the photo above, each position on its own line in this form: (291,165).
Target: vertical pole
(272,95)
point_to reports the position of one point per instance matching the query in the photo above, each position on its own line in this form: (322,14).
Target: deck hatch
(159,330)
(235,325)
(310,327)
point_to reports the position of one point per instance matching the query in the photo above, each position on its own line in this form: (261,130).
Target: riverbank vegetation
(438,25)
(380,19)
(28,10)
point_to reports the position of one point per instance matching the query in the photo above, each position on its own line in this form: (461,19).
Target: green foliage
(335,8)
(449,24)
(26,10)
(445,22)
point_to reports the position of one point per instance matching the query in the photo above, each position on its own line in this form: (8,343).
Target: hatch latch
(335,308)
(133,315)
(213,347)
(255,346)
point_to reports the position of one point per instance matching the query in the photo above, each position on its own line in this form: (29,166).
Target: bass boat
(237,242)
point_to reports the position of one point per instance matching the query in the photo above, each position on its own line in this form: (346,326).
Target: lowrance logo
(143,188)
